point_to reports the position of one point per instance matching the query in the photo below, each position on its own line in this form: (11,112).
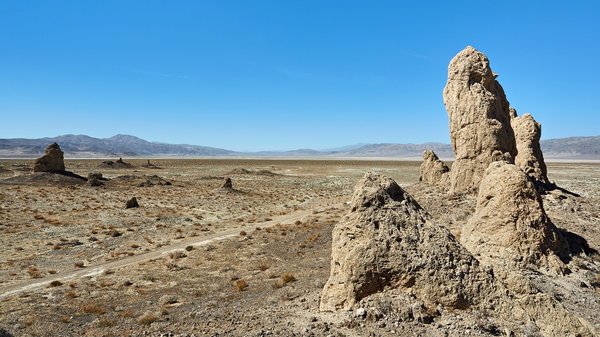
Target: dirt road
(99,268)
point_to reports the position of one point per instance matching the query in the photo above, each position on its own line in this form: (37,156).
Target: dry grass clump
(147,318)
(240,285)
(287,277)
(105,322)
(79,264)
(263,266)
(34,272)
(127,313)
(177,255)
(284,279)
(55,283)
(93,308)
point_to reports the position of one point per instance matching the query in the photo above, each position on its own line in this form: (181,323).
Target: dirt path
(96,269)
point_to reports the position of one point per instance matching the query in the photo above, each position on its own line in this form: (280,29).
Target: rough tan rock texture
(529,156)
(509,226)
(51,161)
(385,241)
(433,170)
(387,254)
(478,111)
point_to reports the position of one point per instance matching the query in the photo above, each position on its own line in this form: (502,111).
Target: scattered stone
(433,171)
(115,164)
(94,179)
(478,111)
(149,165)
(529,154)
(51,161)
(132,203)
(242,171)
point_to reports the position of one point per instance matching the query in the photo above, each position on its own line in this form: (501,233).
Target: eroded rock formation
(51,161)
(433,171)
(386,241)
(388,255)
(509,226)
(227,183)
(529,156)
(132,203)
(478,111)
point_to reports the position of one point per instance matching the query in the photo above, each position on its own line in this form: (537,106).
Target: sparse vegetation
(240,285)
(93,308)
(147,319)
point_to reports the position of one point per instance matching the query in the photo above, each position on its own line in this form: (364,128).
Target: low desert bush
(93,308)
(240,285)
(55,283)
(147,319)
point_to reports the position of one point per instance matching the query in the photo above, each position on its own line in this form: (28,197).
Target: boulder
(509,226)
(529,156)
(227,183)
(386,242)
(51,161)
(433,171)
(132,203)
(480,130)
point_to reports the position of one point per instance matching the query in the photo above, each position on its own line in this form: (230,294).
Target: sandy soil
(195,259)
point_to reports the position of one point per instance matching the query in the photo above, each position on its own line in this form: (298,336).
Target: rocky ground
(264,280)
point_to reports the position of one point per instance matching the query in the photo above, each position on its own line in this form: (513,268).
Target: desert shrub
(263,266)
(34,272)
(79,264)
(105,322)
(55,283)
(93,308)
(240,285)
(147,319)
(127,313)
(287,278)
(177,255)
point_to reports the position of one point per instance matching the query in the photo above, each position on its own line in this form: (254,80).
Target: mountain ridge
(78,146)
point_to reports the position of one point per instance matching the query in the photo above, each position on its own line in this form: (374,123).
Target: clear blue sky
(277,75)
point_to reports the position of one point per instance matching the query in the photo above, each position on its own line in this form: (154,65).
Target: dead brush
(93,308)
(177,255)
(147,319)
(240,285)
(263,266)
(287,278)
(34,272)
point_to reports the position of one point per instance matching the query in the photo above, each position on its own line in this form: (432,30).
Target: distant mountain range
(82,146)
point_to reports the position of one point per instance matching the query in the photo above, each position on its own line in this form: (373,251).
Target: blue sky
(277,75)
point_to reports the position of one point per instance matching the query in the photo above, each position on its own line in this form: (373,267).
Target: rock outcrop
(433,171)
(51,161)
(227,183)
(478,111)
(509,226)
(529,156)
(385,241)
(388,255)
(132,203)
(115,164)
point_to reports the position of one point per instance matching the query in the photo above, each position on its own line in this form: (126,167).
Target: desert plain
(197,259)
